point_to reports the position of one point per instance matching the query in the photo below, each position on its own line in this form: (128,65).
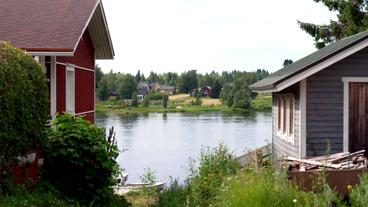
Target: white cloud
(178,35)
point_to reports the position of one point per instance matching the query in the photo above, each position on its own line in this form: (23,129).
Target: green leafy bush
(215,165)
(359,194)
(80,161)
(23,104)
(154,95)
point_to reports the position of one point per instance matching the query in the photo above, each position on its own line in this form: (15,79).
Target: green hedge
(23,103)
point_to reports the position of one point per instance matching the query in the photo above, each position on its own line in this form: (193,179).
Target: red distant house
(206,91)
(65,37)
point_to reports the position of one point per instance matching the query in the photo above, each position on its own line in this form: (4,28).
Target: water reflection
(164,142)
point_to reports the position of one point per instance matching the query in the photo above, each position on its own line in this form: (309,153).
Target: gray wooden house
(320,103)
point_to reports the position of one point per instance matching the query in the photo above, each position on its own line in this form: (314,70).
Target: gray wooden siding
(325,103)
(282,148)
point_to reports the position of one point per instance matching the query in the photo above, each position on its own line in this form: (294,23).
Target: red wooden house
(65,37)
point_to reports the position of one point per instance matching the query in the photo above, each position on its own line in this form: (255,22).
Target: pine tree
(352,18)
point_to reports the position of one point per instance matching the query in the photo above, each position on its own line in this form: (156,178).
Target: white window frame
(70,94)
(285,121)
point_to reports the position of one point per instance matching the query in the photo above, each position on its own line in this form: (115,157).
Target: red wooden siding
(84,79)
(89,117)
(60,88)
(84,54)
(84,91)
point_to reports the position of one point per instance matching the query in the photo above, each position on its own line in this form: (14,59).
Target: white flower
(294,201)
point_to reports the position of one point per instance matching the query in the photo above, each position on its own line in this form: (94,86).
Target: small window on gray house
(285,117)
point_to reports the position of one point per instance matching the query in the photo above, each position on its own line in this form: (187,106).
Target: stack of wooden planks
(338,161)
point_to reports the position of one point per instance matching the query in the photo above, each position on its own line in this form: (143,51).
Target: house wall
(281,147)
(325,103)
(83,62)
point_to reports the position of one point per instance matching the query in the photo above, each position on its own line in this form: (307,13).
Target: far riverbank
(183,103)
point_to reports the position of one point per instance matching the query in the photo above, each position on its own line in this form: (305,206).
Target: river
(165,142)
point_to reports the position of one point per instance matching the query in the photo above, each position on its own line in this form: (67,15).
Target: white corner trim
(346,81)
(303,119)
(53,85)
(291,81)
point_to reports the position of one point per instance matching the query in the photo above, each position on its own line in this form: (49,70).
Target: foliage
(352,18)
(23,104)
(148,177)
(41,196)
(214,166)
(242,99)
(154,95)
(187,81)
(174,196)
(146,101)
(45,195)
(127,86)
(138,77)
(134,99)
(165,100)
(98,75)
(80,161)
(287,62)
(359,194)
(216,88)
(262,102)
(269,187)
(154,77)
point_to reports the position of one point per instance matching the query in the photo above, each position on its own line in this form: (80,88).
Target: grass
(182,103)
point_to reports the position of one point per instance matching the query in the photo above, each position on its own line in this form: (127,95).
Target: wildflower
(349,187)
(294,201)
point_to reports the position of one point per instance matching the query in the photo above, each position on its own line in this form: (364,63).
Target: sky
(207,35)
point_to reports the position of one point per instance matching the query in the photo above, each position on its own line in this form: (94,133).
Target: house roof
(167,87)
(55,26)
(270,83)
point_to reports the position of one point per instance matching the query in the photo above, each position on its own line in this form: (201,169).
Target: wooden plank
(313,162)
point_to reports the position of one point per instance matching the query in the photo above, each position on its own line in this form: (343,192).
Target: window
(285,116)
(70,88)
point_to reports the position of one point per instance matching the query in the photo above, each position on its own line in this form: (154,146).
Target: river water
(165,142)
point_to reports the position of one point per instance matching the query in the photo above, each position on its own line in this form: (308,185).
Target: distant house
(194,91)
(112,94)
(320,103)
(65,37)
(205,91)
(170,90)
(143,89)
(154,85)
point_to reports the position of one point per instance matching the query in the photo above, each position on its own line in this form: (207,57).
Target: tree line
(231,87)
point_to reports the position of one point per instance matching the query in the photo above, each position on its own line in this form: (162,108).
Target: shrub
(359,194)
(165,100)
(146,101)
(23,104)
(214,165)
(80,161)
(134,100)
(154,95)
(174,196)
